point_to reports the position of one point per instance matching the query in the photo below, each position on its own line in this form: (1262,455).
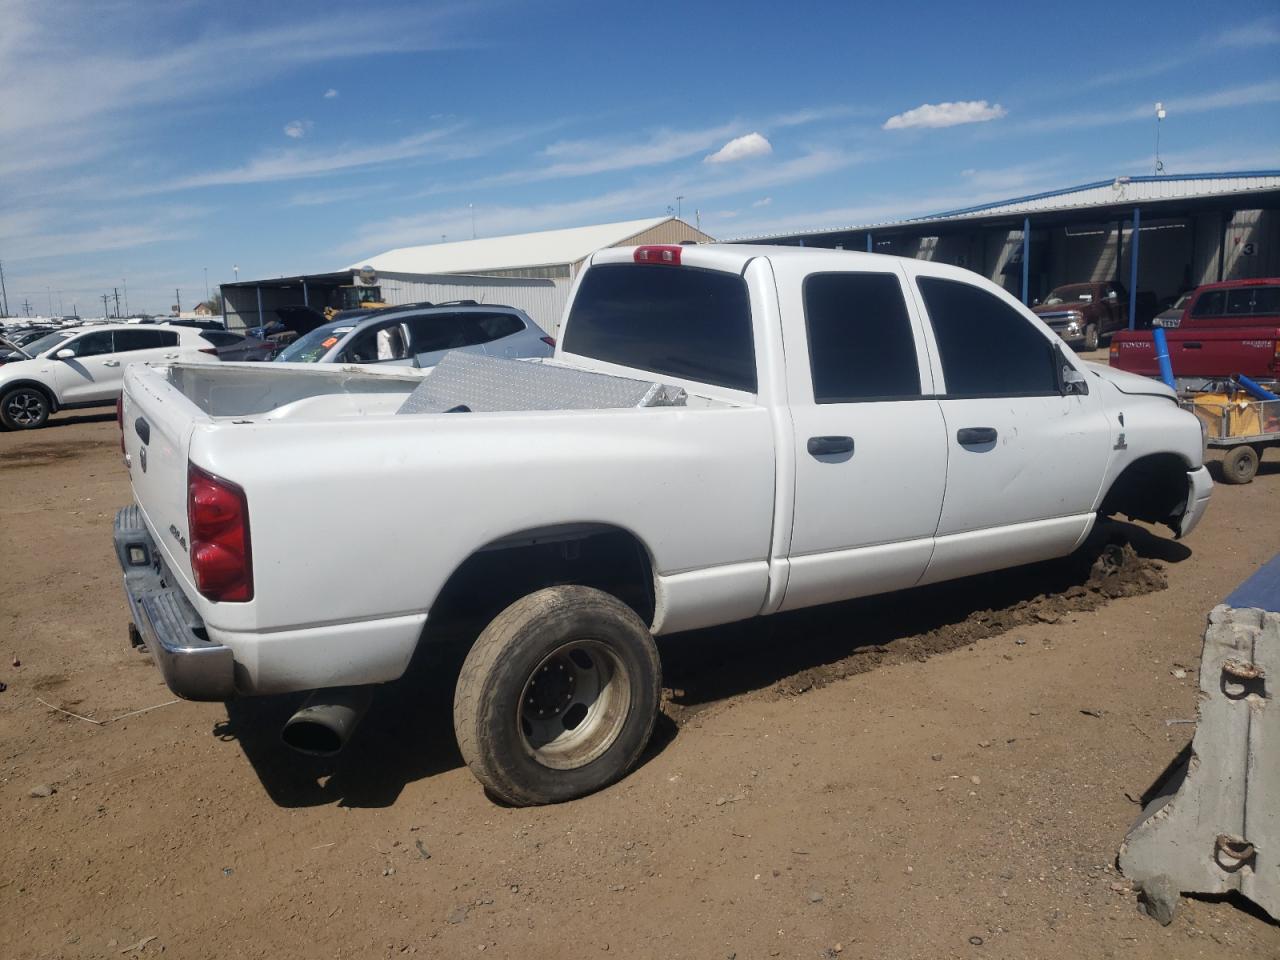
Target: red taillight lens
(665,253)
(218,529)
(120,418)
(549,341)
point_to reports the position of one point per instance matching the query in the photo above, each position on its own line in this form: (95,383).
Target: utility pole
(3,292)
(48,291)
(126,296)
(206,284)
(116,291)
(26,306)
(177,296)
(106,310)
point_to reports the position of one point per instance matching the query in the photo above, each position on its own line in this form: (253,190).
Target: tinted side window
(1211,303)
(447,331)
(1239,302)
(1266,300)
(495,326)
(144,339)
(92,344)
(987,347)
(681,321)
(860,341)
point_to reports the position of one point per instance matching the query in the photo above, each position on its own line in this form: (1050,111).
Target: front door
(1025,462)
(870,447)
(93,374)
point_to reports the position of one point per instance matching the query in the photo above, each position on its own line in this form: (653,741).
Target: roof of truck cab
(1231,284)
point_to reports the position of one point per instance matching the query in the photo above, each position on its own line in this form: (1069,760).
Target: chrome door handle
(111,363)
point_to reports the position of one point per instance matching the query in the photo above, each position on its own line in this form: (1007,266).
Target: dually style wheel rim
(574,704)
(24,407)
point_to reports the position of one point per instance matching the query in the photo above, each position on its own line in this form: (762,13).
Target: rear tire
(1239,465)
(558,696)
(24,408)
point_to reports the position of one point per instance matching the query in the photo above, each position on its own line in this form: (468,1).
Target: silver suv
(419,337)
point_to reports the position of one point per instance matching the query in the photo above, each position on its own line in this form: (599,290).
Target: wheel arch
(607,556)
(36,384)
(1152,488)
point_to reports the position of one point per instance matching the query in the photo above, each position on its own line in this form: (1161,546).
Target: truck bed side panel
(368,518)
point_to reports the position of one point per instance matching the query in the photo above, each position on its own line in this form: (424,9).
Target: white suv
(84,367)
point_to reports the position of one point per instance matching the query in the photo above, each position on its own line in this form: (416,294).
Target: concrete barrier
(1215,826)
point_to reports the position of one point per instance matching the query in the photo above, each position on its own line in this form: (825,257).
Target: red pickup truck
(1226,328)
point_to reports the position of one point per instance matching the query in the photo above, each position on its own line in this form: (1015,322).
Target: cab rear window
(679,321)
(1238,302)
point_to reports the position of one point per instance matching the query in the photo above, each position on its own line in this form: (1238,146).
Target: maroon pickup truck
(1083,313)
(1226,328)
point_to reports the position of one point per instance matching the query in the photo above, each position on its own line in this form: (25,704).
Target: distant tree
(214,303)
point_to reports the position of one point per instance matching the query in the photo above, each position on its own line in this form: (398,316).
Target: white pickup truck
(723,432)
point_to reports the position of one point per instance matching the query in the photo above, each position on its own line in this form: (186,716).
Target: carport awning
(285,283)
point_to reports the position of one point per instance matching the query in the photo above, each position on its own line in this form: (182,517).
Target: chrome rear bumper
(193,666)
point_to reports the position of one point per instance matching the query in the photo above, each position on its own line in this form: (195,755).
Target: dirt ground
(943,773)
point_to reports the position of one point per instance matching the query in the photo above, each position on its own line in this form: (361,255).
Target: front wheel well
(608,558)
(36,385)
(1152,488)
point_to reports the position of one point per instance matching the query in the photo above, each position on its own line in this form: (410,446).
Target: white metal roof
(1119,190)
(544,248)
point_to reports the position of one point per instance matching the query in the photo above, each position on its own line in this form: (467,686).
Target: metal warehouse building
(1159,236)
(532,271)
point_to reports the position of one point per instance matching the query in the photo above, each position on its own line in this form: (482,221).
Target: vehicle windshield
(1072,293)
(310,347)
(47,342)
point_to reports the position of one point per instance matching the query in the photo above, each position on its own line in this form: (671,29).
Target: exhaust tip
(311,738)
(324,724)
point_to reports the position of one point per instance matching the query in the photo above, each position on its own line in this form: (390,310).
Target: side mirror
(1070,380)
(66,353)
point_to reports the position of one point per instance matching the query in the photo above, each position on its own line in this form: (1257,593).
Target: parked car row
(43,371)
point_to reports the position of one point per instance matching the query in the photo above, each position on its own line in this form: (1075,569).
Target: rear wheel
(1239,465)
(24,408)
(558,696)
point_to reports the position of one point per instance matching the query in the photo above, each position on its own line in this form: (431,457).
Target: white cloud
(763,202)
(1260,33)
(948,114)
(330,93)
(297,129)
(741,148)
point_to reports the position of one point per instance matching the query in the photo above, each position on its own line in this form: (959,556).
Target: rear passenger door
(434,335)
(870,445)
(1025,463)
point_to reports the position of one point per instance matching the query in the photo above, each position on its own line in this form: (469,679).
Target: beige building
(554,255)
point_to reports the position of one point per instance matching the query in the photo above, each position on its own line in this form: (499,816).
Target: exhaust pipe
(326,721)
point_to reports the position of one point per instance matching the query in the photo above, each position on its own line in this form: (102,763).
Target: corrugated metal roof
(544,248)
(1124,190)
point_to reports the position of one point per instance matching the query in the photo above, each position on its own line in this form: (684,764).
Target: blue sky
(150,141)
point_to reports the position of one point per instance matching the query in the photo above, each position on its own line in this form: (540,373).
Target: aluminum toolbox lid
(469,382)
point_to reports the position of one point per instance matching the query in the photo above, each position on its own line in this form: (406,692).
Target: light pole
(472,208)
(125,283)
(679,205)
(1160,115)
(236,268)
(206,284)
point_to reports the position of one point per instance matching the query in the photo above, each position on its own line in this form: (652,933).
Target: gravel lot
(903,777)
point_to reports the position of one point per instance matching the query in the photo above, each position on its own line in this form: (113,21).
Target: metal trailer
(1244,427)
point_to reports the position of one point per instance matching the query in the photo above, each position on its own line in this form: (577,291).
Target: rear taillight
(120,418)
(549,341)
(664,253)
(218,529)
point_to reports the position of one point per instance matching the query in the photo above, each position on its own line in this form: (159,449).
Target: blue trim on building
(1093,186)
